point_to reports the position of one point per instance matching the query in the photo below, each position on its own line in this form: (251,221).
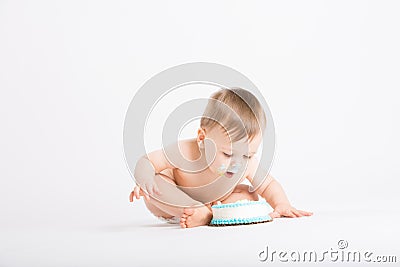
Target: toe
(188,211)
(188,223)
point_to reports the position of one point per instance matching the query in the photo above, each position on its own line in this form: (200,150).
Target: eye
(227,155)
(247,157)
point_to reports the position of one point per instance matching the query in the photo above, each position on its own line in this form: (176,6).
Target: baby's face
(230,157)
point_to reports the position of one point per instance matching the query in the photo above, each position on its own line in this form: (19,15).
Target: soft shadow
(160,225)
(134,226)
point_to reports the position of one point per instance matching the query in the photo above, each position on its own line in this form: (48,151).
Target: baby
(224,148)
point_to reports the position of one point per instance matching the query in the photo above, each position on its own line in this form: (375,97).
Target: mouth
(229,174)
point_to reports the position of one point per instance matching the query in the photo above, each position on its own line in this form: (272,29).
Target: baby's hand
(138,192)
(286,210)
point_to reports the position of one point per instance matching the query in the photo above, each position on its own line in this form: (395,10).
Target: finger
(150,190)
(274,214)
(137,192)
(183,225)
(145,193)
(141,192)
(146,189)
(131,196)
(297,213)
(287,214)
(156,190)
(306,213)
(290,214)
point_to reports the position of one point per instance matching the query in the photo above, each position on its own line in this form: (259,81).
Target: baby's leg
(240,192)
(155,210)
(160,209)
(199,215)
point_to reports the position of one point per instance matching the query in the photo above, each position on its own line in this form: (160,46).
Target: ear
(201,134)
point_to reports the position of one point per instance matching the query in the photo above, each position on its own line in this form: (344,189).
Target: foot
(193,217)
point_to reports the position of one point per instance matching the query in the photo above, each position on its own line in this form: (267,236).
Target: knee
(149,205)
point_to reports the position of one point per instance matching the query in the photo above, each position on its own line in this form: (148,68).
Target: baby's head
(236,134)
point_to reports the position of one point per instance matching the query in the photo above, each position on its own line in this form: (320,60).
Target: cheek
(220,164)
(210,152)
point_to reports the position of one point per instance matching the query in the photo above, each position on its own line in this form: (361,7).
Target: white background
(329,71)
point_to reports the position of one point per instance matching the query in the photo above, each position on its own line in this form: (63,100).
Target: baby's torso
(186,179)
(202,185)
(203,188)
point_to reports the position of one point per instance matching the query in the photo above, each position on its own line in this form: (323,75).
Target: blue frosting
(241,221)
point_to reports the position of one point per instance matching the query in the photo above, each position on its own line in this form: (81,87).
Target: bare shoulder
(251,169)
(188,148)
(171,155)
(263,178)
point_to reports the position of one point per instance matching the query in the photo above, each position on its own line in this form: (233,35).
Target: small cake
(240,212)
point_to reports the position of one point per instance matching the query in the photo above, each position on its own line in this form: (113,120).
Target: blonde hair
(248,122)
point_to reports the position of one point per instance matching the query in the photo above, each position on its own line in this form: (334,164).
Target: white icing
(241,212)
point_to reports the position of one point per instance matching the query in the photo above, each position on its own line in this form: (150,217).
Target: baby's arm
(147,174)
(170,199)
(274,194)
(147,167)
